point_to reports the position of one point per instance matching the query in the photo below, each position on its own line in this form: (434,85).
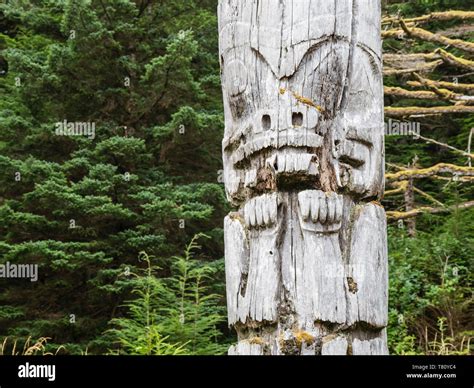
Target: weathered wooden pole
(306,253)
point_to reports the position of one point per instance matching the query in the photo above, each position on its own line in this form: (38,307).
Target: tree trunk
(303,150)
(409,196)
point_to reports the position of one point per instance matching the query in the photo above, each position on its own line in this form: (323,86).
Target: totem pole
(306,252)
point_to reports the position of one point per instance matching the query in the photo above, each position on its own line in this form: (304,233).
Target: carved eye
(237,77)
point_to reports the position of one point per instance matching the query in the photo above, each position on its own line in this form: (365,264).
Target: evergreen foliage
(178,308)
(84,207)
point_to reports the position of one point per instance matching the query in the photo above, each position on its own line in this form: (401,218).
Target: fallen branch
(410,57)
(394,215)
(457,87)
(428,196)
(450,179)
(442,93)
(396,166)
(427,67)
(456,76)
(403,186)
(435,94)
(414,94)
(403,61)
(445,94)
(395,34)
(400,187)
(428,36)
(454,60)
(416,173)
(424,111)
(444,16)
(406,61)
(458,31)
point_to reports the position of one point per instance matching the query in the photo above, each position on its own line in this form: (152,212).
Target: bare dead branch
(453,60)
(427,67)
(417,173)
(457,87)
(447,146)
(394,215)
(428,36)
(458,31)
(413,94)
(428,196)
(400,188)
(397,112)
(442,16)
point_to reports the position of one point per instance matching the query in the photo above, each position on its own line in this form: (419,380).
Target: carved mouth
(352,162)
(354,154)
(289,164)
(276,141)
(295,162)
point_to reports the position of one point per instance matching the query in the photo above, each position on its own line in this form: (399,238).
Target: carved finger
(261,211)
(323,208)
(331,201)
(339,207)
(315,203)
(305,204)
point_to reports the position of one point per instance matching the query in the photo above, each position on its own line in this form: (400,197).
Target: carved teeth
(324,209)
(290,163)
(266,215)
(293,162)
(251,178)
(252,217)
(261,211)
(288,138)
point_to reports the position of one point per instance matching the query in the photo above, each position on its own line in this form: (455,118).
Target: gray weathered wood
(335,347)
(303,151)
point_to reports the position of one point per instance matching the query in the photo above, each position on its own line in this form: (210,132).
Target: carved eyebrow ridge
(325,40)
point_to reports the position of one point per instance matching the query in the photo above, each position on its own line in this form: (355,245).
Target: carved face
(298,99)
